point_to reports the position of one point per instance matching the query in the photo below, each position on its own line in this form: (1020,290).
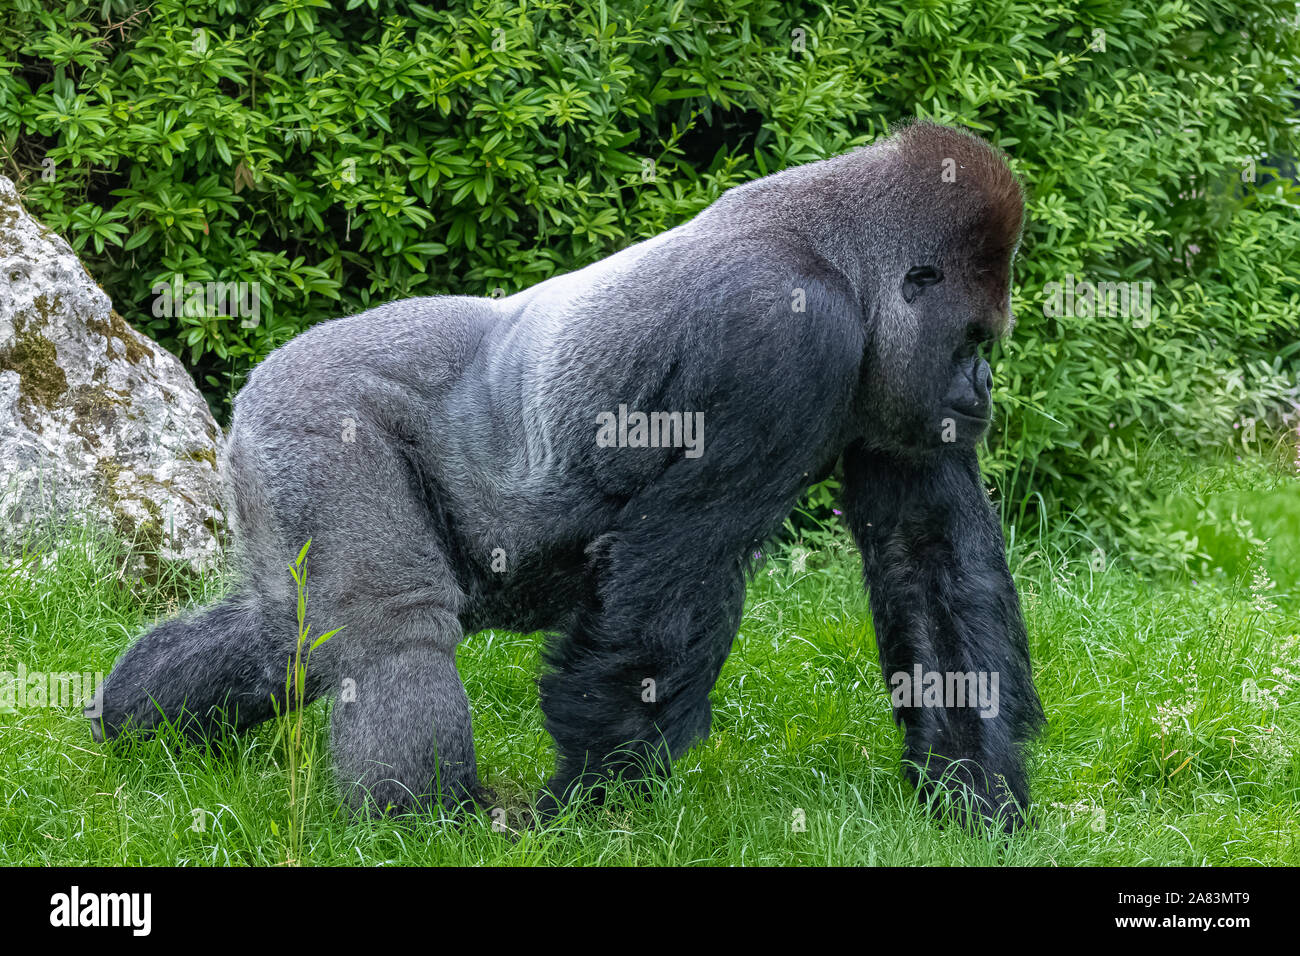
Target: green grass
(801,722)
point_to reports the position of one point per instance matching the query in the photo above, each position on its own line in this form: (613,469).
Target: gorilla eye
(917,278)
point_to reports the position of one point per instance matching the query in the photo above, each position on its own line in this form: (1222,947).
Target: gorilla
(599,457)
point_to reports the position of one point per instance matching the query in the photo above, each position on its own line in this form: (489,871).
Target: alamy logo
(235,299)
(945,689)
(1078,298)
(75,908)
(44,689)
(655,430)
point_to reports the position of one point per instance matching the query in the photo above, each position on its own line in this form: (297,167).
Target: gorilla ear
(917,278)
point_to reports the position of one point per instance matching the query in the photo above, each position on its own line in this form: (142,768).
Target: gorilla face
(941,393)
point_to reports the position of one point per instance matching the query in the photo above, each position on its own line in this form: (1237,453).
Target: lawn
(1172,704)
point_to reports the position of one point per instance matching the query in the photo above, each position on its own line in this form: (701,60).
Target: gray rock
(96,420)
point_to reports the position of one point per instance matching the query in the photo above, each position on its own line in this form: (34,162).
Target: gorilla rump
(442,456)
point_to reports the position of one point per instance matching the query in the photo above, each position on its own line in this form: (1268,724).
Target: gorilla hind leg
(401,730)
(379,569)
(222,667)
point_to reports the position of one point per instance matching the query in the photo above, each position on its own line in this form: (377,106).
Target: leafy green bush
(351,153)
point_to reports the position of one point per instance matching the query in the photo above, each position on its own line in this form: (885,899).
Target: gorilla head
(461,463)
(949,212)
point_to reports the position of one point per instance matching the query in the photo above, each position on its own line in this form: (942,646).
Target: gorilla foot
(388,798)
(963,791)
(589,792)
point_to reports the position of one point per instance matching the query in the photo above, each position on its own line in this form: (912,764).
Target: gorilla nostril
(983,377)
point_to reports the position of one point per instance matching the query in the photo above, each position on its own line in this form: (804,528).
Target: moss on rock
(115,327)
(41,383)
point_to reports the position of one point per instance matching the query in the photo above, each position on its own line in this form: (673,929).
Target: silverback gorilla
(463,463)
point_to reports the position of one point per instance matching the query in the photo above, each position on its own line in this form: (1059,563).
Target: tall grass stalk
(299,755)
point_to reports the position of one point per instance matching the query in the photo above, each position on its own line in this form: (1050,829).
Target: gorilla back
(598,456)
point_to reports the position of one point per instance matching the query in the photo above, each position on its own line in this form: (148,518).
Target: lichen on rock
(96,420)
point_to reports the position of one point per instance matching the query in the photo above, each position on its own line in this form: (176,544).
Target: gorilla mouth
(963,424)
(971,414)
